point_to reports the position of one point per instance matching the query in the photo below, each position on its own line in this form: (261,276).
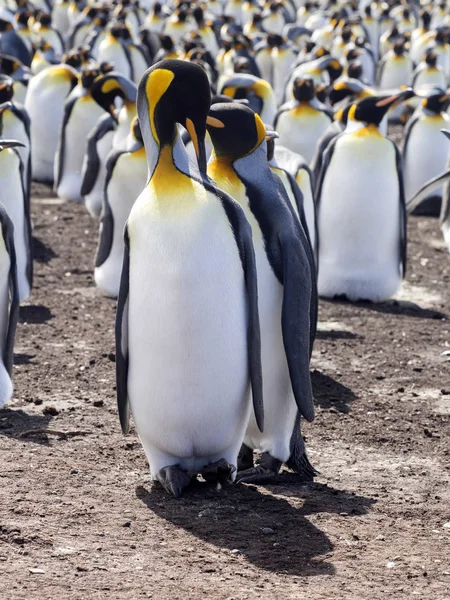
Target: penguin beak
(271,135)
(198,140)
(396,98)
(446,132)
(5,144)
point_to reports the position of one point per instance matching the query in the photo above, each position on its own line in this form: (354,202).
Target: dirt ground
(80,520)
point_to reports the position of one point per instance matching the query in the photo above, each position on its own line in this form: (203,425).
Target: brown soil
(76,502)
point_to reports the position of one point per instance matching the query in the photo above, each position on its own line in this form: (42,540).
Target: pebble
(235,551)
(267,530)
(380,538)
(447,525)
(37,571)
(391,564)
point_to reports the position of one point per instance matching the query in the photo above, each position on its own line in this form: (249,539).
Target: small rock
(380,538)
(112,357)
(276,545)
(400,390)
(82,569)
(427,433)
(50,410)
(235,551)
(98,403)
(343,514)
(391,564)
(37,571)
(445,392)
(126,524)
(267,530)
(447,525)
(73,471)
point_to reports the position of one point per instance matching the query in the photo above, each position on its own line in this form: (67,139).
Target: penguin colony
(236,154)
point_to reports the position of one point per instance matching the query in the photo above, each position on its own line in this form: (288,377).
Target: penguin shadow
(329,393)
(393,307)
(269,531)
(336,334)
(34,313)
(24,359)
(41,252)
(16,423)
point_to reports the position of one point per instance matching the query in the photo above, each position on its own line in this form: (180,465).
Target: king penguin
(126,176)
(426,150)
(286,282)
(9,299)
(15,201)
(81,114)
(44,104)
(361,208)
(187,328)
(258,92)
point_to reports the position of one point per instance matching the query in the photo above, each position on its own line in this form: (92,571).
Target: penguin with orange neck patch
(302,122)
(187,328)
(287,295)
(361,208)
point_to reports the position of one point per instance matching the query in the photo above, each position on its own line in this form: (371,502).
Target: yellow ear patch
(229,91)
(158,83)
(261,133)
(191,130)
(351,112)
(109,85)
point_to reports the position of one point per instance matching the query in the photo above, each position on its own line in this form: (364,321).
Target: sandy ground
(80,520)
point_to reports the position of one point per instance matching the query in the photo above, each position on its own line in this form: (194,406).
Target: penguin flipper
(59,157)
(122,339)
(243,236)
(298,293)
(403,213)
(427,188)
(14,303)
(92,165)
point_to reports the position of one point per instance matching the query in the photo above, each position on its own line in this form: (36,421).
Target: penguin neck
(168,160)
(222,171)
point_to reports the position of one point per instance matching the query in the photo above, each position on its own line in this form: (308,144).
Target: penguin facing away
(126,176)
(16,202)
(286,282)
(361,208)
(187,328)
(9,299)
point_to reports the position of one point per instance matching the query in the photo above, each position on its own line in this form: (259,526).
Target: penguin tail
(298,460)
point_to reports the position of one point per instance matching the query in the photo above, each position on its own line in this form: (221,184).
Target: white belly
(188,371)
(94,199)
(426,154)
(359,221)
(6,388)
(301,133)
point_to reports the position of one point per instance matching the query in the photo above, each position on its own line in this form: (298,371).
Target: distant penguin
(126,176)
(428,72)
(361,208)
(16,203)
(258,92)
(44,104)
(81,114)
(9,300)
(20,74)
(12,44)
(188,297)
(301,122)
(287,300)
(42,27)
(110,132)
(15,125)
(426,150)
(395,70)
(276,58)
(113,50)
(177,26)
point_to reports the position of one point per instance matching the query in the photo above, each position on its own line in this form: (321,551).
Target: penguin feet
(173,479)
(245,458)
(266,468)
(218,472)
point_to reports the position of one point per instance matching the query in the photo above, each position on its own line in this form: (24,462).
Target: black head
(73,59)
(166,43)
(171,92)
(6,88)
(373,109)
(426,19)
(430,57)
(355,69)
(88,76)
(399,47)
(5,26)
(157,8)
(235,130)
(111,86)
(303,89)
(435,99)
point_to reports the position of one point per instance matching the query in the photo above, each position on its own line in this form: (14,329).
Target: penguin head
(5,26)
(72,58)
(235,130)
(6,88)
(88,76)
(435,99)
(108,87)
(399,47)
(171,92)
(354,69)
(344,89)
(430,57)
(372,110)
(303,89)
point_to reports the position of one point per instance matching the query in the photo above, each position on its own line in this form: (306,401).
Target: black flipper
(403,215)
(92,165)
(425,190)
(8,236)
(122,338)
(68,107)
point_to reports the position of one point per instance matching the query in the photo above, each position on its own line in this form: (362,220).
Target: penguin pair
(361,207)
(189,252)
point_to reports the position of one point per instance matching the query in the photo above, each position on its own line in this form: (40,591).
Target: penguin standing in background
(20,74)
(42,27)
(428,72)
(395,69)
(81,114)
(9,298)
(12,44)
(112,49)
(301,122)
(44,104)
(287,295)
(426,150)
(259,93)
(361,208)
(15,125)
(188,297)
(110,132)
(126,176)
(16,203)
